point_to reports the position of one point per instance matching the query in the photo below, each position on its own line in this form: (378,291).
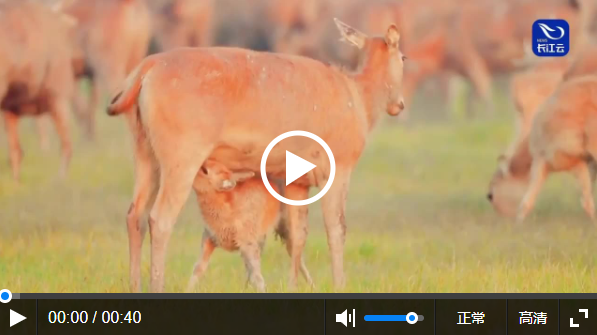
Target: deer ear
(392,36)
(242,176)
(350,35)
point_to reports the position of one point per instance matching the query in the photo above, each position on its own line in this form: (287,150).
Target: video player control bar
(262,315)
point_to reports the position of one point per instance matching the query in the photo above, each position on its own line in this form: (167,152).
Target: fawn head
(219,178)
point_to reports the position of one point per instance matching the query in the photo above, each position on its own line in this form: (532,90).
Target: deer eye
(204,170)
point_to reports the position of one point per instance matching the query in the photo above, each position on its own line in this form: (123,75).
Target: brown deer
(227,104)
(557,135)
(564,138)
(530,90)
(35,71)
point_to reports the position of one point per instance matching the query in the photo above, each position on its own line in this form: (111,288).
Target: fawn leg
(306,274)
(252,258)
(475,69)
(207,248)
(282,232)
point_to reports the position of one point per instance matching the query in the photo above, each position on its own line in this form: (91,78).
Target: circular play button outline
(328,151)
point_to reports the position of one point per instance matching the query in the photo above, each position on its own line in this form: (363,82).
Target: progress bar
(411,318)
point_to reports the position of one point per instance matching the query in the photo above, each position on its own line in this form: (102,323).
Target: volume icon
(345,318)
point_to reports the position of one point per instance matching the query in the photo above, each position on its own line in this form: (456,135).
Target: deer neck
(372,82)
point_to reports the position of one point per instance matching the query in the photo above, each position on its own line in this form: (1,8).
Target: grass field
(418,221)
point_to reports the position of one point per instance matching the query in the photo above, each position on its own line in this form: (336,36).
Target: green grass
(417,221)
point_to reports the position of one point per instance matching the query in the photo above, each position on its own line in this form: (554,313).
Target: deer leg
(593,170)
(252,258)
(176,180)
(80,104)
(591,147)
(146,184)
(282,232)
(477,72)
(59,113)
(11,121)
(42,131)
(334,208)
(297,229)
(583,175)
(306,274)
(95,101)
(538,176)
(178,169)
(207,248)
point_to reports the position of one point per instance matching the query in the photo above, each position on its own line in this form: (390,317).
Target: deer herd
(202,115)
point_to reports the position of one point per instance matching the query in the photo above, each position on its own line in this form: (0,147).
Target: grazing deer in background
(490,35)
(184,23)
(530,90)
(292,15)
(227,104)
(239,212)
(113,37)
(556,135)
(564,138)
(35,71)
(531,87)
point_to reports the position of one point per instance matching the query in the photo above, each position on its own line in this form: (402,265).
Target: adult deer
(35,73)
(227,104)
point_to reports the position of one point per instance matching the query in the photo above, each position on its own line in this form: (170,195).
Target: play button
(297,167)
(15,318)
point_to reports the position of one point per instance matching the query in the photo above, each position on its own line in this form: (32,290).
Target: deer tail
(127,97)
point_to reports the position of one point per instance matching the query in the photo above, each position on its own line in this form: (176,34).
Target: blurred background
(418,218)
